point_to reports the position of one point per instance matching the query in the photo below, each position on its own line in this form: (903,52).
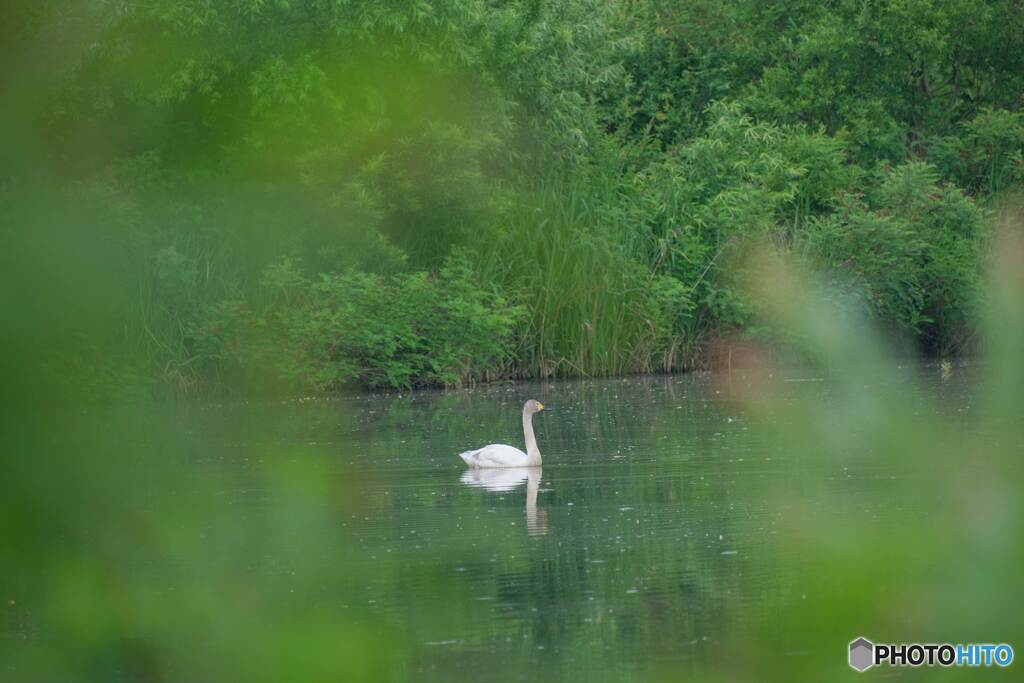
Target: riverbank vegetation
(311,196)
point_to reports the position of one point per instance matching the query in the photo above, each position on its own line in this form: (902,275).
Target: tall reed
(564,255)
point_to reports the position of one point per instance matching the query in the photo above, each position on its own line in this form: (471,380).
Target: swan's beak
(541,405)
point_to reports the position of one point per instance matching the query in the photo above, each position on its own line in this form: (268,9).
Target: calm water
(665,522)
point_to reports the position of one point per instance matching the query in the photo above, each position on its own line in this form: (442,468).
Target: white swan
(500,455)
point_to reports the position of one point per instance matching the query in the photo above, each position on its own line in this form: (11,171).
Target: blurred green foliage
(295,197)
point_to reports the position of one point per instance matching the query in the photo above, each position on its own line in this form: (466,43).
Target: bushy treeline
(396,194)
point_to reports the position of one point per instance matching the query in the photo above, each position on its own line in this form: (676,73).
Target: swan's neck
(532,452)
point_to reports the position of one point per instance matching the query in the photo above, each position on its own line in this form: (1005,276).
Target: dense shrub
(986,156)
(912,249)
(358,328)
(741,181)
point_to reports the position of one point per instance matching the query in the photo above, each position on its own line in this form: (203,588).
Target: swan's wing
(495,455)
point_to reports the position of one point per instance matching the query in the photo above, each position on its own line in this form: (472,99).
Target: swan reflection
(509,479)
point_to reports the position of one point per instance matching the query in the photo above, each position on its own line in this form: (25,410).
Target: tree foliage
(596,168)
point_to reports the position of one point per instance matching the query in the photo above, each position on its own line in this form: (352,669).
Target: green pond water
(658,528)
(668,523)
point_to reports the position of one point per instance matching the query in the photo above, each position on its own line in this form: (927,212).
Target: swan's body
(502,455)
(498,455)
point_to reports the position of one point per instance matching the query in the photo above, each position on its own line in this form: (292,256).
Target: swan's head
(532,406)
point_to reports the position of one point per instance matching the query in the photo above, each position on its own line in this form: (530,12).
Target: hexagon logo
(862,654)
